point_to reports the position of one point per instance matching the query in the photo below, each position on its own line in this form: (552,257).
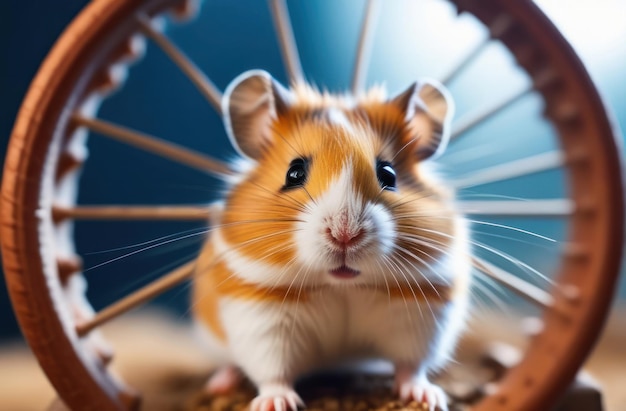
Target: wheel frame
(66,75)
(73,70)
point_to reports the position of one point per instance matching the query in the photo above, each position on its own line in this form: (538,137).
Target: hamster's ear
(250,103)
(428,109)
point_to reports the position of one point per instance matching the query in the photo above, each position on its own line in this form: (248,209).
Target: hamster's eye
(296,175)
(386,175)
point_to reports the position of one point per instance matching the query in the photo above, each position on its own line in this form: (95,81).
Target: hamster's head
(337,191)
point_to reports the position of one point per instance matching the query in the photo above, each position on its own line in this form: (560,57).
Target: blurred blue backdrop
(413,40)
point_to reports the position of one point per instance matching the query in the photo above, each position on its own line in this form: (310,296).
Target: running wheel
(46,153)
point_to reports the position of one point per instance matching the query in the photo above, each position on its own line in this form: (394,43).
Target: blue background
(230,37)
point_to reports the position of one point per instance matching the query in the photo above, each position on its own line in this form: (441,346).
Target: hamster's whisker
(474,194)
(288,265)
(419,286)
(154,240)
(149,247)
(512,228)
(283,271)
(379,194)
(489,295)
(290,286)
(282,304)
(309,195)
(275,130)
(298,204)
(156,273)
(410,198)
(220,257)
(516,261)
(295,315)
(225,254)
(285,206)
(273,251)
(390,133)
(428,214)
(470,154)
(487,223)
(385,279)
(543,245)
(257,221)
(409,283)
(387,262)
(413,140)
(526,267)
(410,254)
(435,260)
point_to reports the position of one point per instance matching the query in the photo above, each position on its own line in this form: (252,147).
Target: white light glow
(595,28)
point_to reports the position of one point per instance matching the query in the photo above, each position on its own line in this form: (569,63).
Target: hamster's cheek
(377,246)
(311,247)
(383,228)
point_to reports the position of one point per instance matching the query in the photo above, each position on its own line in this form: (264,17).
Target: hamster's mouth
(344,272)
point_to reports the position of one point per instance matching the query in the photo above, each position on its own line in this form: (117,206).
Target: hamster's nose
(344,237)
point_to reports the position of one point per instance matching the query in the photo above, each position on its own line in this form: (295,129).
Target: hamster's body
(333,244)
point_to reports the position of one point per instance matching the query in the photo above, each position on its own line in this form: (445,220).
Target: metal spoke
(520,287)
(530,208)
(517,168)
(364,50)
(155,145)
(288,47)
(208,89)
(137,298)
(471,120)
(113,212)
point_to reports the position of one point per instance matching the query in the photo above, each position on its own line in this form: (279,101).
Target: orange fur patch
(215,281)
(260,218)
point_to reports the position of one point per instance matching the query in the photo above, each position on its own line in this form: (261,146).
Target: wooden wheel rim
(596,228)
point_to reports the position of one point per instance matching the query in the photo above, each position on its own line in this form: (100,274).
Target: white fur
(335,325)
(249,269)
(276,342)
(338,319)
(338,118)
(342,205)
(218,353)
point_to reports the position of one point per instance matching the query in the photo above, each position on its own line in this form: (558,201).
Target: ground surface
(171,371)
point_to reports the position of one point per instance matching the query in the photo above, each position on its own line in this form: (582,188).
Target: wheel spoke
(155,145)
(517,168)
(471,120)
(499,26)
(465,62)
(197,77)
(137,298)
(364,50)
(287,41)
(114,212)
(530,208)
(520,287)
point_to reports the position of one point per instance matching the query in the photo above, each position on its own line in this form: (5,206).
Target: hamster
(334,242)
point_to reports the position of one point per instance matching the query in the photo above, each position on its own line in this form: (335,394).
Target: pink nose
(345,237)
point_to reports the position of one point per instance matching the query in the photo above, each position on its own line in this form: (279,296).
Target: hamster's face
(336,197)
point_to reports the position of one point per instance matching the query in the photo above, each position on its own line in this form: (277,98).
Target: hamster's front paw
(423,391)
(276,397)
(224,380)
